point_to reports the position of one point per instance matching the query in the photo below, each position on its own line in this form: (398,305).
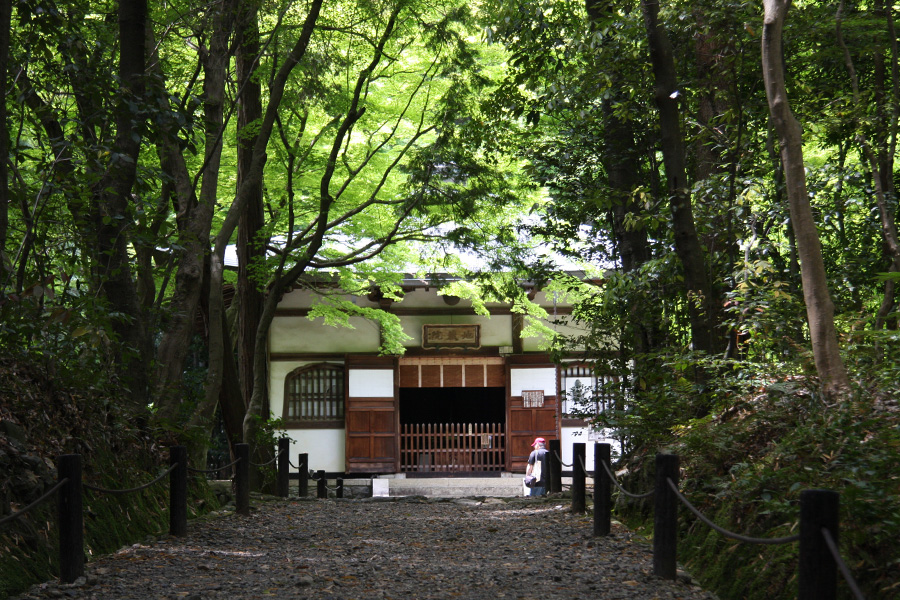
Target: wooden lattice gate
(452,448)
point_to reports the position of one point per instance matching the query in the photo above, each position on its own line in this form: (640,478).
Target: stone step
(454,487)
(507,486)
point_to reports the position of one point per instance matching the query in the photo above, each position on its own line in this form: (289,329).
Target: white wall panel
(533,379)
(371,383)
(571,435)
(325,448)
(299,334)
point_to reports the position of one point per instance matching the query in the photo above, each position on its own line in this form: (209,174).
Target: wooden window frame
(299,423)
(600,404)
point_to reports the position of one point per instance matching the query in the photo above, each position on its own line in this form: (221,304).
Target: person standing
(537,466)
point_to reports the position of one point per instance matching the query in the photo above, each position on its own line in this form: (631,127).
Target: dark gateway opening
(452,431)
(452,405)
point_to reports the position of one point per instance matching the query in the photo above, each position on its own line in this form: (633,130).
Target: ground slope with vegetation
(745,468)
(45,414)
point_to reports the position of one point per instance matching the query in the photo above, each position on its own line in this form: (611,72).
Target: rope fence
(559,458)
(70,487)
(845,570)
(730,534)
(211,471)
(819,557)
(129,490)
(35,504)
(623,491)
(268,462)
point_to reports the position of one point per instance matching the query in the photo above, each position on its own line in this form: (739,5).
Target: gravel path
(411,548)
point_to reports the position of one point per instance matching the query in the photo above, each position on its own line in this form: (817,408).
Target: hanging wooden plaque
(451,336)
(532,398)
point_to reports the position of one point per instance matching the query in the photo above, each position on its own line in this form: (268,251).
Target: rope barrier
(216,470)
(623,490)
(47,494)
(129,490)
(559,458)
(725,532)
(845,570)
(584,467)
(266,464)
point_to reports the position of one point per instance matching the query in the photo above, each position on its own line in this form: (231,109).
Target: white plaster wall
(371,383)
(561,324)
(571,435)
(277,372)
(532,379)
(325,448)
(299,334)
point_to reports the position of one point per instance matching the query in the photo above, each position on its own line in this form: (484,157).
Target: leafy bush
(746,466)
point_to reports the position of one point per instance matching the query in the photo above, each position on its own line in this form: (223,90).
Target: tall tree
(880,154)
(687,243)
(819,307)
(195,213)
(250,248)
(5,25)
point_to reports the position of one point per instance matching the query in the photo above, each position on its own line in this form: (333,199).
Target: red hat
(538,441)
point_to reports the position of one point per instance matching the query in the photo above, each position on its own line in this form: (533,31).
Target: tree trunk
(5,24)
(249,247)
(687,243)
(819,307)
(112,196)
(254,174)
(621,161)
(194,223)
(880,159)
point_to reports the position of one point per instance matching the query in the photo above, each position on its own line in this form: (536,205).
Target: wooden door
(533,408)
(371,415)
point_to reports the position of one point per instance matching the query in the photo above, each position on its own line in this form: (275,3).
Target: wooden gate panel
(371,435)
(536,417)
(496,376)
(452,376)
(372,420)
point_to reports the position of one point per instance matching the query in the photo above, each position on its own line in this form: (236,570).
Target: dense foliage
(352,139)
(50,409)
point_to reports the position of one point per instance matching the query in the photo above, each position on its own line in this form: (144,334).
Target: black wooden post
(818,570)
(578,476)
(71,519)
(602,490)
(321,485)
(303,467)
(555,466)
(665,517)
(242,479)
(339,487)
(284,467)
(178,491)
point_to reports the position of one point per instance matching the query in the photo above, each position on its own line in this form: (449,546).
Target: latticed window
(314,396)
(584,390)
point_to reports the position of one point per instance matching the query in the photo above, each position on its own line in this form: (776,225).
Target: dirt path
(412,548)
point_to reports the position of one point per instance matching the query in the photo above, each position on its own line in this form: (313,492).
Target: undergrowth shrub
(54,417)
(745,466)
